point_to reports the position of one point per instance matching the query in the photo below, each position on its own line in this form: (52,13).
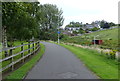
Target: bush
(95,29)
(112,54)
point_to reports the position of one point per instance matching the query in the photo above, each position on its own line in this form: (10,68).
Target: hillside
(109,37)
(105,34)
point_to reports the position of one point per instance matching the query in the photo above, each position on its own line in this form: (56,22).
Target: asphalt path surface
(59,63)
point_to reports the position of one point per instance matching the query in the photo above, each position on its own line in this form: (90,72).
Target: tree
(102,24)
(51,19)
(81,31)
(75,32)
(112,24)
(74,24)
(26,20)
(106,25)
(20,20)
(94,29)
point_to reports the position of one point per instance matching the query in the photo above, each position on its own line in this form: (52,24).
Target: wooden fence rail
(32,49)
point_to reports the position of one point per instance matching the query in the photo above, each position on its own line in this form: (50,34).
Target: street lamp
(58,31)
(58,36)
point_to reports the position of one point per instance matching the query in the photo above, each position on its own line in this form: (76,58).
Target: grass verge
(100,65)
(20,73)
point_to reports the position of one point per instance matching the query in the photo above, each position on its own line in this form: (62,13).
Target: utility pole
(58,31)
(58,36)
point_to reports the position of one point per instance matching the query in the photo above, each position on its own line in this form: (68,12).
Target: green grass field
(17,50)
(105,34)
(22,71)
(109,37)
(100,65)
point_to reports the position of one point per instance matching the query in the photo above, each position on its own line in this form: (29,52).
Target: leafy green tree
(102,24)
(106,25)
(51,19)
(74,24)
(112,24)
(26,20)
(75,32)
(81,31)
(69,25)
(20,20)
(94,29)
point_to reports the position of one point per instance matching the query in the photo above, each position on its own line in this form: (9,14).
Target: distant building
(89,26)
(92,25)
(85,27)
(96,24)
(71,29)
(68,33)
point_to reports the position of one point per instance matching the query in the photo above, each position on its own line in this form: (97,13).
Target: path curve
(59,63)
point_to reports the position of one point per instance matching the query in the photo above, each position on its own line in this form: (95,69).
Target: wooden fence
(17,54)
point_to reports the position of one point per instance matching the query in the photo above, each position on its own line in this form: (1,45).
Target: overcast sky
(87,11)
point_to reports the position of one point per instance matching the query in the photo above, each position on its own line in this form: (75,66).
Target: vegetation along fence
(111,54)
(17,54)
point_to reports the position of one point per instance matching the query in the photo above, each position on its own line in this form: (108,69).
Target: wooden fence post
(6,53)
(39,44)
(28,47)
(12,68)
(36,45)
(22,54)
(33,47)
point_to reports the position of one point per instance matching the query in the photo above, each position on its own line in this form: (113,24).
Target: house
(97,25)
(71,29)
(89,26)
(68,33)
(85,27)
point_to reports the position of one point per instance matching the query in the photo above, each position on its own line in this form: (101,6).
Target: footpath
(59,63)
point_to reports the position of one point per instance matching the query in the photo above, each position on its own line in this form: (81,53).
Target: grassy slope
(21,72)
(105,34)
(109,37)
(104,68)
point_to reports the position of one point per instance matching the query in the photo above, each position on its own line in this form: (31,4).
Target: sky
(86,11)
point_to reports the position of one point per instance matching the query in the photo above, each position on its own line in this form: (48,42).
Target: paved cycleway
(59,63)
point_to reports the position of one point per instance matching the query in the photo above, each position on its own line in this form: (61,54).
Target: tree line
(25,20)
(81,28)
(103,24)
